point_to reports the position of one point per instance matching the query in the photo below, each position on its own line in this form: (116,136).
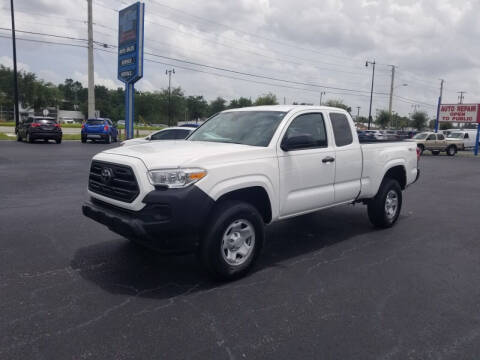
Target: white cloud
(8,62)
(426,39)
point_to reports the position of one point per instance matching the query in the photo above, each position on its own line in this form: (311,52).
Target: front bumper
(171,221)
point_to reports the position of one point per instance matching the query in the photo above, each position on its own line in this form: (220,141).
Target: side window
(181,134)
(164,135)
(431,137)
(466,136)
(310,126)
(341,129)
(440,137)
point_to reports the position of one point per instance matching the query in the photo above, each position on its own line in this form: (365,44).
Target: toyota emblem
(107,175)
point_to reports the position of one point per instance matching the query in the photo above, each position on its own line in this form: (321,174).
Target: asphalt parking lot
(328,285)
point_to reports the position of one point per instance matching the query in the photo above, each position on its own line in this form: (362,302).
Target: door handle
(328,159)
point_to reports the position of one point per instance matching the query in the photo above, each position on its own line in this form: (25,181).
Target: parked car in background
(436,143)
(39,128)
(377,134)
(468,137)
(364,136)
(172,133)
(99,129)
(121,122)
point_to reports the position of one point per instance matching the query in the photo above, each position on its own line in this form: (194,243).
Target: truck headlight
(176,178)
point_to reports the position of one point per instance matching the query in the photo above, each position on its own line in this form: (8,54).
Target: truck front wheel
(384,208)
(232,240)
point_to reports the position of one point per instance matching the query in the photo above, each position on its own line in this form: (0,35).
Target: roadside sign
(130,43)
(460,113)
(130,56)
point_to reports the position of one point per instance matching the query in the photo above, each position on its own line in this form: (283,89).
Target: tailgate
(94,129)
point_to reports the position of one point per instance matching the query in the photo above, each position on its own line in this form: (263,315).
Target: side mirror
(149,138)
(298,142)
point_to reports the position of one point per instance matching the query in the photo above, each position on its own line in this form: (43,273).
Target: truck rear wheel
(385,207)
(451,150)
(233,240)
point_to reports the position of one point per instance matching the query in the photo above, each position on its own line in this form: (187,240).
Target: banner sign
(460,113)
(130,43)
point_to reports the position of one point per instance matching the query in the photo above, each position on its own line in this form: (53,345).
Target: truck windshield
(420,136)
(254,128)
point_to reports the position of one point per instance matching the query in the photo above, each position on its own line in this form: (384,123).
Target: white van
(467,135)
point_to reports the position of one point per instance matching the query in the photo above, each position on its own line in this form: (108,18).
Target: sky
(296,49)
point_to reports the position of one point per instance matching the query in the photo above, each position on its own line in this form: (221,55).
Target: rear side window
(94,122)
(341,129)
(441,137)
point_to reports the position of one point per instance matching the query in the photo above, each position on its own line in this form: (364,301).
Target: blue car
(99,129)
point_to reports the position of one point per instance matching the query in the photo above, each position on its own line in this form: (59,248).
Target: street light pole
(439,104)
(371,92)
(91,81)
(321,95)
(391,90)
(15,75)
(169,73)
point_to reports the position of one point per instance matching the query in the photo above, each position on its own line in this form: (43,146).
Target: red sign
(460,113)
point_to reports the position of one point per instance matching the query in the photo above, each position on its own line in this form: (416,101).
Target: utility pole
(371,92)
(358,112)
(391,90)
(91,80)
(321,96)
(439,103)
(460,97)
(15,78)
(284,100)
(415,106)
(169,73)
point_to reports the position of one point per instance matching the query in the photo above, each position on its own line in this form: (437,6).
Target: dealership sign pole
(462,113)
(130,56)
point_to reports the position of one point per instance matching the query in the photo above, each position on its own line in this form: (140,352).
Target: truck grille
(114,181)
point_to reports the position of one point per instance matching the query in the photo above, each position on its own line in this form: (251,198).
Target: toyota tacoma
(242,169)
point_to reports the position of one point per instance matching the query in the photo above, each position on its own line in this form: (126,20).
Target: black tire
(377,212)
(435,152)
(226,215)
(29,139)
(108,139)
(84,139)
(451,150)
(422,149)
(19,138)
(58,141)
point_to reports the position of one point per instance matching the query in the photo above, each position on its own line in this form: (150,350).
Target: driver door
(307,174)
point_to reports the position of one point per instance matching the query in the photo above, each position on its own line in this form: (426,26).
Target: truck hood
(172,154)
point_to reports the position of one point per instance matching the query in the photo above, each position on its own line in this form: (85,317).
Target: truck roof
(284,108)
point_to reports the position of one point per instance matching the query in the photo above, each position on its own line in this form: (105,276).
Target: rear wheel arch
(397,173)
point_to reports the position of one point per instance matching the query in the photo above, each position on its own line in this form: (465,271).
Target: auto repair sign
(460,113)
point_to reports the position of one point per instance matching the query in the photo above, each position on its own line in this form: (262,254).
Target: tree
(239,103)
(216,106)
(383,119)
(444,125)
(197,107)
(267,99)
(338,104)
(419,120)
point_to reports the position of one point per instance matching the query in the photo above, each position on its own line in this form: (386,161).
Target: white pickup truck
(242,169)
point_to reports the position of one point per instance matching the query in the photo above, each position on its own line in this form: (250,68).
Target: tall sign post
(130,56)
(462,113)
